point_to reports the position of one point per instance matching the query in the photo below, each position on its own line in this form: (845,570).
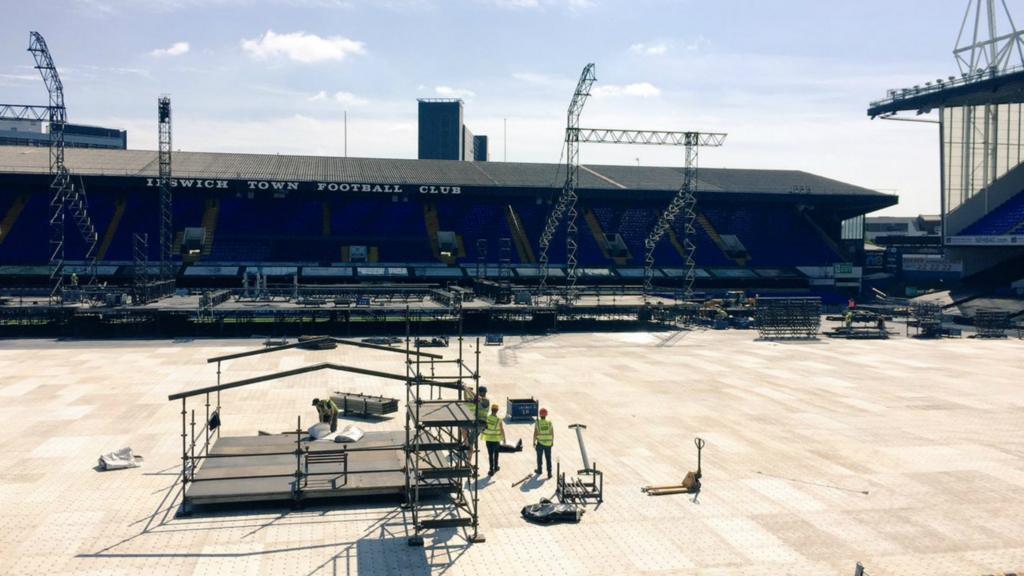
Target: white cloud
(302,47)
(349,99)
(640,89)
(652,49)
(176,49)
(346,98)
(449,92)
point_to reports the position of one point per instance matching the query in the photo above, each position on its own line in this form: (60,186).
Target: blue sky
(789,80)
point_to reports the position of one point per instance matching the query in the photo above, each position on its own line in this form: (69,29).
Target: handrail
(313,341)
(293,372)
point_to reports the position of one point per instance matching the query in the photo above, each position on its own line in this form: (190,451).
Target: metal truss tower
(684,201)
(566,203)
(166,207)
(993,45)
(63,193)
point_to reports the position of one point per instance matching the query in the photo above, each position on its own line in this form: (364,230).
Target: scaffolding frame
(440,457)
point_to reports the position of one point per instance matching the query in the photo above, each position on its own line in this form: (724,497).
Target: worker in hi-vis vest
(480,407)
(494,435)
(327,411)
(543,439)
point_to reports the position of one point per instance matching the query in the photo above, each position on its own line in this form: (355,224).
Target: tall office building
(443,135)
(440,129)
(480,152)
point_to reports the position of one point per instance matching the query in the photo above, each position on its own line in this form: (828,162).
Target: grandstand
(342,219)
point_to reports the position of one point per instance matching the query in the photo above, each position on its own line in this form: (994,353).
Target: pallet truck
(690,484)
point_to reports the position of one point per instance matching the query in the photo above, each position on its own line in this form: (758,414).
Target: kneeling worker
(543,439)
(327,410)
(494,435)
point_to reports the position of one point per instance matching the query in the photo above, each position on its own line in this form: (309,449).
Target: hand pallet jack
(690,484)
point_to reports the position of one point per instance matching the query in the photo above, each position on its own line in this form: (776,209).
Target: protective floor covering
(933,431)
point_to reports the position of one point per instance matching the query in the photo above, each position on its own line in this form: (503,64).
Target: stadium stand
(329,211)
(1008,218)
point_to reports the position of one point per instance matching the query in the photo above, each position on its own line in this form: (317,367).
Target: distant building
(467,144)
(30,132)
(480,153)
(442,133)
(910,234)
(440,129)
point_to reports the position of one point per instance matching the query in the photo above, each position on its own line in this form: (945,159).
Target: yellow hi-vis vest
(326,408)
(545,432)
(493,431)
(483,409)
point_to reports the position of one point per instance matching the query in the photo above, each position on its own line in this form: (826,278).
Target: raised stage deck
(256,457)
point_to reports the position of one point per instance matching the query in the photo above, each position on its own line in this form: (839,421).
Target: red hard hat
(543,411)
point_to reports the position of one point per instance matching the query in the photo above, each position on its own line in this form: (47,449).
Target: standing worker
(481,405)
(494,435)
(543,439)
(327,410)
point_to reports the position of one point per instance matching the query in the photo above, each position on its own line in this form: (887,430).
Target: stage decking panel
(252,457)
(452,413)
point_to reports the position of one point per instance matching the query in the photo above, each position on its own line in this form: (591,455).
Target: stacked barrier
(788,318)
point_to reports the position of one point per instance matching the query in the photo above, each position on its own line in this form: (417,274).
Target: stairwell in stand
(210,216)
(709,228)
(433,225)
(595,228)
(822,234)
(115,223)
(519,237)
(12,215)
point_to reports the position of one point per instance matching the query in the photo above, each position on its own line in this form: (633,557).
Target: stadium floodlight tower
(566,203)
(63,193)
(685,199)
(166,209)
(984,48)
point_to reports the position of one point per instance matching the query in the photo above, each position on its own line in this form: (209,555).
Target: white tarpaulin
(123,458)
(323,432)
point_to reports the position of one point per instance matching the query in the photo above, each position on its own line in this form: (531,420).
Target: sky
(788,80)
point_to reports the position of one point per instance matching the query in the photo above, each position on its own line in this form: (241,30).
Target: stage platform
(262,469)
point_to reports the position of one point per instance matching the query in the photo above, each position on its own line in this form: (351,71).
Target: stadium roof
(969,91)
(143,163)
